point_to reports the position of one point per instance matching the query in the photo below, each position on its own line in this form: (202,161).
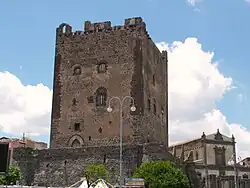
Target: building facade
(212,155)
(103,61)
(245,162)
(18,143)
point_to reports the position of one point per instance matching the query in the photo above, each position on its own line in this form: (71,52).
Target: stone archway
(75,141)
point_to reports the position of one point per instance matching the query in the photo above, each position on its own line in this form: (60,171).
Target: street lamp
(206,170)
(132,108)
(233,162)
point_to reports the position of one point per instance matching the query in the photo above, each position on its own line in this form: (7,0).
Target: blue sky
(28,36)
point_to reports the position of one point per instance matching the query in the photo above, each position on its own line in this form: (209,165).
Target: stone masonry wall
(60,167)
(131,66)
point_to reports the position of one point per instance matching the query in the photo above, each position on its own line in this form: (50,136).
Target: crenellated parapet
(131,24)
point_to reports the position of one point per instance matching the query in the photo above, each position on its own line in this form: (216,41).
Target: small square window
(77,126)
(77,70)
(90,99)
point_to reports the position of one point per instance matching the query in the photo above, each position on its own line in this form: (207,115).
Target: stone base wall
(226,182)
(65,166)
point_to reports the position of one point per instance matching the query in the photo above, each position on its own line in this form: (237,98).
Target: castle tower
(103,61)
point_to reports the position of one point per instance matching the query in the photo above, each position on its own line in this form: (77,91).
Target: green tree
(162,174)
(95,172)
(11,177)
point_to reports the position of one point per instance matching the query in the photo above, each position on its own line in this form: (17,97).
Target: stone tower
(103,61)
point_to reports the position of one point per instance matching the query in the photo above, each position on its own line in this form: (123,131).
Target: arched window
(101,96)
(77,70)
(76,143)
(154,107)
(102,67)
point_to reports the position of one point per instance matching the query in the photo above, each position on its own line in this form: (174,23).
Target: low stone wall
(63,167)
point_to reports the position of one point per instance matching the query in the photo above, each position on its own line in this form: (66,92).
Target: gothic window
(149,105)
(220,155)
(154,107)
(89,138)
(76,143)
(77,70)
(101,96)
(77,126)
(102,67)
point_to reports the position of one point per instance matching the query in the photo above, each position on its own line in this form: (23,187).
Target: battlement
(129,24)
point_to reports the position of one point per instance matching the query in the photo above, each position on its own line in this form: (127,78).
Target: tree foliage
(162,174)
(11,177)
(95,172)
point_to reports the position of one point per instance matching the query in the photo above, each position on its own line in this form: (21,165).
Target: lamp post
(132,108)
(206,170)
(232,161)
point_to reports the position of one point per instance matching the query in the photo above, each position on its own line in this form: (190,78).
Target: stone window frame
(74,68)
(75,137)
(102,66)
(101,97)
(220,155)
(76,143)
(77,126)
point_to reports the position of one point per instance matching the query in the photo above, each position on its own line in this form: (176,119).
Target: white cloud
(24,108)
(195,85)
(193,2)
